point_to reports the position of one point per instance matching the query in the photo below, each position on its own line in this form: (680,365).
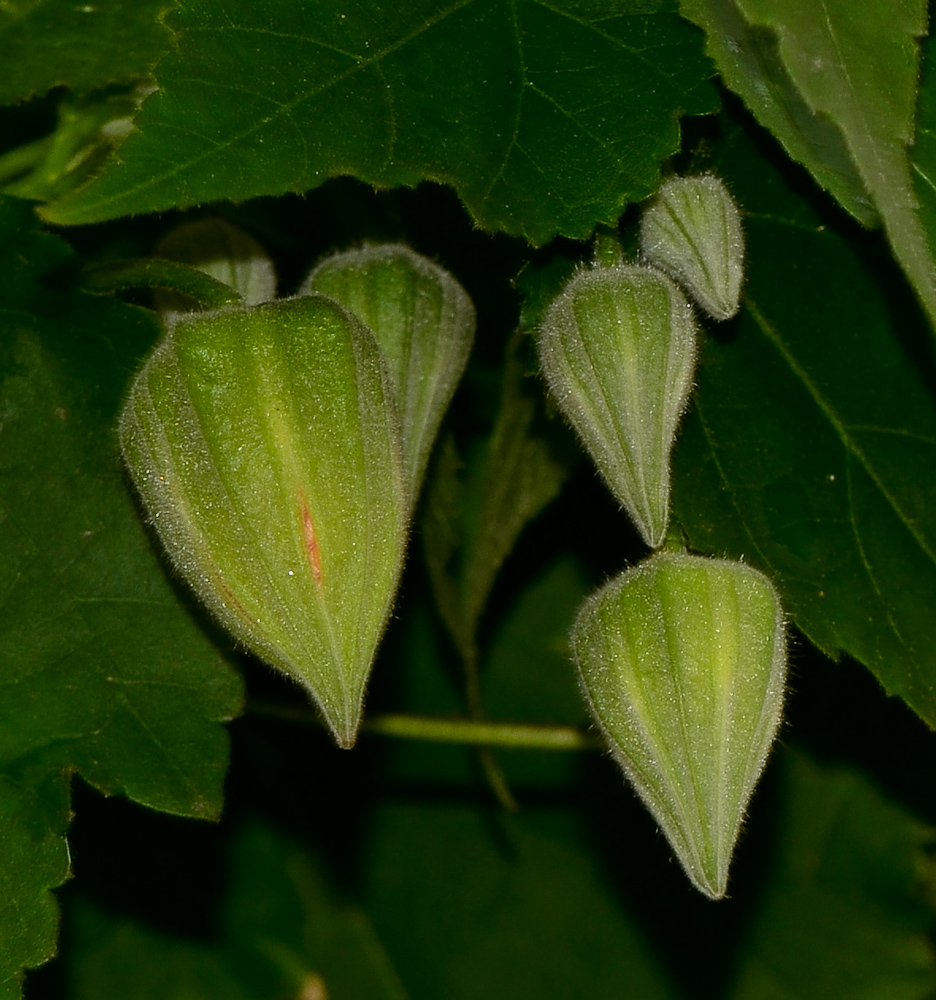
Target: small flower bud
(682,661)
(264,446)
(222,251)
(692,230)
(424,322)
(618,350)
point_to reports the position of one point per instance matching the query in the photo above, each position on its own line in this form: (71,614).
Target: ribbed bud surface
(424,322)
(618,350)
(683,662)
(692,230)
(264,446)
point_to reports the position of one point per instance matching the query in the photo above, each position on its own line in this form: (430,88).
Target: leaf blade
(515,127)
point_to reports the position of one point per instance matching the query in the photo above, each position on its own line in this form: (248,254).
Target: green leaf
(285,912)
(103,671)
(154,273)
(923,151)
(802,67)
(46,43)
(468,909)
(33,859)
(474,517)
(844,911)
(811,446)
(286,932)
(546,119)
(115,957)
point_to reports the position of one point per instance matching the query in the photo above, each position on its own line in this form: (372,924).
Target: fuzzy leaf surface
(811,445)
(103,670)
(546,119)
(45,43)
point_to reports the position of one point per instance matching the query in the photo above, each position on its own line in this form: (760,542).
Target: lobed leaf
(102,669)
(811,446)
(545,118)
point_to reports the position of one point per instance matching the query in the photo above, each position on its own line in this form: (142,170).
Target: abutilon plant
(691,229)
(265,446)
(424,322)
(682,660)
(618,350)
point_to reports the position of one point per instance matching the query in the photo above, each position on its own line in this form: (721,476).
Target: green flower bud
(692,230)
(222,251)
(618,349)
(682,661)
(424,322)
(264,446)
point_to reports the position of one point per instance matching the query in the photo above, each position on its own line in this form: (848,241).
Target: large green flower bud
(424,322)
(264,445)
(682,661)
(692,230)
(618,349)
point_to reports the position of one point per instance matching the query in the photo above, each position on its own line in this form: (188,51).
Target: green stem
(607,247)
(18,161)
(509,735)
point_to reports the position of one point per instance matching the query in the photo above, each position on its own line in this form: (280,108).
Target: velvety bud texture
(683,662)
(618,350)
(265,448)
(692,230)
(424,322)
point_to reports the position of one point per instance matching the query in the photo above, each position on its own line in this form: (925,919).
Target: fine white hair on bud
(682,661)
(618,350)
(692,230)
(424,322)
(265,448)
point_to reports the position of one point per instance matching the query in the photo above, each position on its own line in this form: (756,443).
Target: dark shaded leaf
(286,933)
(473,516)
(522,913)
(844,912)
(102,668)
(811,445)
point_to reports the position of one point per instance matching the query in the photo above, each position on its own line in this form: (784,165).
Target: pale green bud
(424,322)
(264,446)
(683,661)
(222,251)
(618,350)
(692,230)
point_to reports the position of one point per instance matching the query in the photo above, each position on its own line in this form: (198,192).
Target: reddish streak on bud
(311,543)
(232,600)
